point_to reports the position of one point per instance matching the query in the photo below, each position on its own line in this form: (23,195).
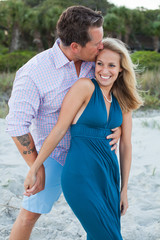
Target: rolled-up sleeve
(23,106)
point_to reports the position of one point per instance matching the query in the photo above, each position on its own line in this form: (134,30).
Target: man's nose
(100,46)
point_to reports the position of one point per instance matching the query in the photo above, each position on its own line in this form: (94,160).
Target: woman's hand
(123,202)
(30,179)
(39,184)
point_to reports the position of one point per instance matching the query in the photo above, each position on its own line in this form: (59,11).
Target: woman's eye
(99,63)
(112,65)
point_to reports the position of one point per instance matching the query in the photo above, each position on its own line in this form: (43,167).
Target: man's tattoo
(25,141)
(29,151)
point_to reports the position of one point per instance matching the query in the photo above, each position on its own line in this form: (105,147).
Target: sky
(149,4)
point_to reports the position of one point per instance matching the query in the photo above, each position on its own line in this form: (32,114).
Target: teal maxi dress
(90,177)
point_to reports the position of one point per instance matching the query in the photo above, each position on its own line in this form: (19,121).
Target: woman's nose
(105,70)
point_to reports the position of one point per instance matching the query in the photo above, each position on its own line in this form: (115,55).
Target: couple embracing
(80,95)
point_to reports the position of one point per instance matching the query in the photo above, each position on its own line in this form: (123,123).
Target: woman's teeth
(105,77)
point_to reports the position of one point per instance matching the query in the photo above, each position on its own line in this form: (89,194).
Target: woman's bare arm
(125,148)
(74,99)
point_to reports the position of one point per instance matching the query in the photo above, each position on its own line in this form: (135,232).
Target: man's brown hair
(74,23)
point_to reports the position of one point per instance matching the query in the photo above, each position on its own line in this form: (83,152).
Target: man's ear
(75,47)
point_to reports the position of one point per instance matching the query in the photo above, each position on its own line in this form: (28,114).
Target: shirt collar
(58,56)
(60,59)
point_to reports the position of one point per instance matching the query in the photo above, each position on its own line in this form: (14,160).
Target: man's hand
(34,184)
(115,137)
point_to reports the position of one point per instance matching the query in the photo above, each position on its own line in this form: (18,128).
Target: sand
(142,220)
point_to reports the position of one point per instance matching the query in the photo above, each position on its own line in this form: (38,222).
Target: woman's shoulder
(85,83)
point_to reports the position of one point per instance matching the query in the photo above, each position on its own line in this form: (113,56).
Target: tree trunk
(119,36)
(127,33)
(50,40)
(15,38)
(37,41)
(156,43)
(109,34)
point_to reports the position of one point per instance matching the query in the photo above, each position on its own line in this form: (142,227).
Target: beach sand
(142,220)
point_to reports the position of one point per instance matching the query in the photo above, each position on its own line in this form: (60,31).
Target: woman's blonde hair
(125,87)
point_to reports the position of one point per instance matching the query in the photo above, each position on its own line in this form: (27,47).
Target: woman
(90,178)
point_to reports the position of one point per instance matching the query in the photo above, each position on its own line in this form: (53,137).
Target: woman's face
(107,67)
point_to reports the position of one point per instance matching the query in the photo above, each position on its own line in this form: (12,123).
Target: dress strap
(95,82)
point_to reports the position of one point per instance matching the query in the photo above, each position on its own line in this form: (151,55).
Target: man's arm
(26,147)
(23,107)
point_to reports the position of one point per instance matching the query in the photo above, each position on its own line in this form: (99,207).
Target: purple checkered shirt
(38,91)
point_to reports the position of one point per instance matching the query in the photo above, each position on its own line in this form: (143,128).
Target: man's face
(91,49)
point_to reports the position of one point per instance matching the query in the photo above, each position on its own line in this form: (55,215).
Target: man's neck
(67,52)
(78,67)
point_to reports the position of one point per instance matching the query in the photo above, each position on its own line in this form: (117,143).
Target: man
(38,91)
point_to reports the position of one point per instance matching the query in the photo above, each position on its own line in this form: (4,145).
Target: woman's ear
(121,69)
(120,73)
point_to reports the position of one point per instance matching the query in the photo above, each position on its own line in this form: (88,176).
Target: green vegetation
(149,82)
(10,62)
(151,101)
(149,77)
(32,23)
(3,49)
(6,82)
(29,26)
(3,110)
(151,123)
(148,60)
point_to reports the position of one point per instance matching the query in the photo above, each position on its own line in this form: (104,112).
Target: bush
(150,101)
(6,82)
(11,62)
(3,109)
(150,81)
(146,59)
(3,50)
(149,84)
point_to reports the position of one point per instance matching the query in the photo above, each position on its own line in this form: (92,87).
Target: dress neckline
(107,114)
